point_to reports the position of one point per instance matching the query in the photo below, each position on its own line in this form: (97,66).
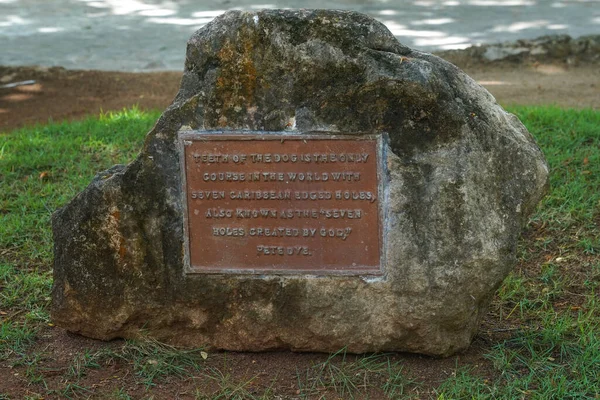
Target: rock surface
(462,177)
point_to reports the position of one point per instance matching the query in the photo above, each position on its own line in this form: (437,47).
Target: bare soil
(541,84)
(60,94)
(277,373)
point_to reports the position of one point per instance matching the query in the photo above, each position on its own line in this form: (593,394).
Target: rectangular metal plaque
(279,203)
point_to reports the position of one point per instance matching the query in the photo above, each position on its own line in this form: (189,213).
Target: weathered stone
(462,177)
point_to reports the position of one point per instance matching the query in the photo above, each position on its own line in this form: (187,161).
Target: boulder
(460,177)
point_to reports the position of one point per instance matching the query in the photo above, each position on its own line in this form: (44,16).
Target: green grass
(350,377)
(42,168)
(558,360)
(152,360)
(550,302)
(571,142)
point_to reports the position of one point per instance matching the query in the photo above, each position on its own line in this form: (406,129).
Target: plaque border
(210,135)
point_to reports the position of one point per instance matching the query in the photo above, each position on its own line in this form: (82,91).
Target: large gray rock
(462,177)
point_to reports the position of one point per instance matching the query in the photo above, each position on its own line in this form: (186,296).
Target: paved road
(144,35)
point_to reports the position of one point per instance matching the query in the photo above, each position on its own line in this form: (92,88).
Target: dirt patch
(59,370)
(59,94)
(541,84)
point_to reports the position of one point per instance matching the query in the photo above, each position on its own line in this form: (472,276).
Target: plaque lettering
(275,203)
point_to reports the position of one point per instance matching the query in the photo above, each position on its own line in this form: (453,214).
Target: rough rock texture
(462,177)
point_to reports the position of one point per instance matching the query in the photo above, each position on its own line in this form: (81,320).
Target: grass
(42,168)
(544,323)
(560,359)
(349,376)
(230,388)
(571,142)
(152,360)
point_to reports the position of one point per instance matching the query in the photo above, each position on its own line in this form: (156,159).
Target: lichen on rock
(462,177)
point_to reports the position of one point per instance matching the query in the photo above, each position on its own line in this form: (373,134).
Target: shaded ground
(60,94)
(282,375)
(66,94)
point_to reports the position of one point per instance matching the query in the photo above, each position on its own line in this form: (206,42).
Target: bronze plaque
(280,203)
